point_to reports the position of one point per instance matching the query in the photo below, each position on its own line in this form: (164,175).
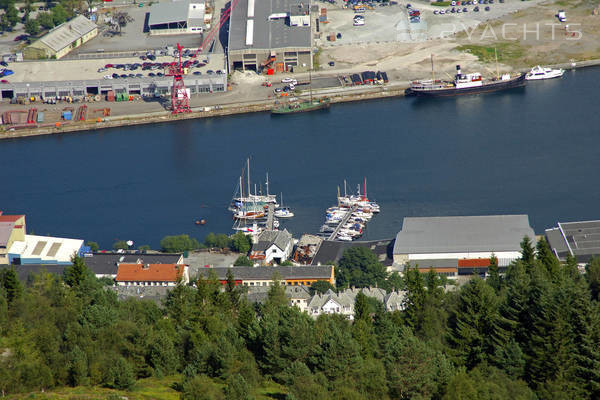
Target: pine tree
(548,260)
(11,283)
(494,279)
(527,253)
(75,275)
(473,323)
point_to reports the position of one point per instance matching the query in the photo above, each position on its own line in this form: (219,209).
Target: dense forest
(531,333)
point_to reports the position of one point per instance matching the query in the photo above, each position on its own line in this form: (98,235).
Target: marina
(147,182)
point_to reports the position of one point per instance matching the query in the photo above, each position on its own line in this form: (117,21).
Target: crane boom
(179,95)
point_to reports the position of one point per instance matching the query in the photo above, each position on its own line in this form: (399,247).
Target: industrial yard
(127,72)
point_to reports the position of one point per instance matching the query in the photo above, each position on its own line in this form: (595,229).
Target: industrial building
(152,274)
(146,86)
(62,39)
(579,239)
(36,249)
(270,35)
(12,229)
(179,17)
(455,246)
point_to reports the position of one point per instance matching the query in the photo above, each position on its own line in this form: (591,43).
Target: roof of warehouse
(68,32)
(149,272)
(462,234)
(46,248)
(268,34)
(332,251)
(582,239)
(106,263)
(164,13)
(266,273)
(25,270)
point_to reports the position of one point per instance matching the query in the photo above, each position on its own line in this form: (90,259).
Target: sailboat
(303,106)
(283,212)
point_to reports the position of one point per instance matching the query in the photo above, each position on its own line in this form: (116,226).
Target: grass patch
(144,389)
(506,52)
(316,64)
(441,3)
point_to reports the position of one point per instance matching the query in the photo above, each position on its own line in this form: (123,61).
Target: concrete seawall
(337,96)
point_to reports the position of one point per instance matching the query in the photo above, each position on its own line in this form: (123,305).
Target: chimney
(458,70)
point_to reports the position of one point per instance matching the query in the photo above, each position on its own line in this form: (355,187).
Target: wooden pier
(342,222)
(270,217)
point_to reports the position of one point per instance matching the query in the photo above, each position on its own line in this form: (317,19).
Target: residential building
(304,275)
(105,265)
(272,247)
(12,228)
(579,239)
(343,302)
(461,245)
(34,249)
(298,295)
(152,274)
(179,17)
(275,35)
(61,40)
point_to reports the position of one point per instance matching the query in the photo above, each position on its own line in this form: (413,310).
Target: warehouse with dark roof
(270,34)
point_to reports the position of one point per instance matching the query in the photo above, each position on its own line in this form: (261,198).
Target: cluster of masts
(347,220)
(247,206)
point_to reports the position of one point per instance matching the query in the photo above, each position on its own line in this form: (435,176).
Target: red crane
(179,97)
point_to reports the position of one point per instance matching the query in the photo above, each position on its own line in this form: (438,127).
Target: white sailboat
(283,212)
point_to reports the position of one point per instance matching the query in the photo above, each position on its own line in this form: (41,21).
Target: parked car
(277,90)
(151,74)
(160,74)
(107,77)
(102,69)
(139,75)
(487,8)
(331,63)
(210,72)
(123,76)
(107,66)
(219,72)
(197,73)
(4,63)
(476,9)
(3,81)
(151,57)
(115,76)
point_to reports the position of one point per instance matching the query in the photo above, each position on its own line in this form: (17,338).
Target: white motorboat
(539,73)
(283,213)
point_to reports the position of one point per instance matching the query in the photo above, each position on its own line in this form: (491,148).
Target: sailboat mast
(248,166)
(310,85)
(345,192)
(338,196)
(432,73)
(365,188)
(497,70)
(267,184)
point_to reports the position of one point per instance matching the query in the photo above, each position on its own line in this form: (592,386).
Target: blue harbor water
(533,151)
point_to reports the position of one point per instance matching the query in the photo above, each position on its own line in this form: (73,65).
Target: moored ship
(304,106)
(465,84)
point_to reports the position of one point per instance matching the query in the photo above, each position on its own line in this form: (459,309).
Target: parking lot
(393,24)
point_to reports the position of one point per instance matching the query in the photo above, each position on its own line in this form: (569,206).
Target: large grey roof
(462,234)
(266,273)
(68,32)
(267,238)
(106,263)
(26,270)
(268,34)
(164,13)
(582,239)
(332,251)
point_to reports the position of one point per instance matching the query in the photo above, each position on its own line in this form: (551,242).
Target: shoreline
(337,95)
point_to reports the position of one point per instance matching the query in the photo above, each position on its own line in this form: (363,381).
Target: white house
(343,302)
(272,247)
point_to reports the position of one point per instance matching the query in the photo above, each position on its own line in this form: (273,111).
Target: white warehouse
(452,243)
